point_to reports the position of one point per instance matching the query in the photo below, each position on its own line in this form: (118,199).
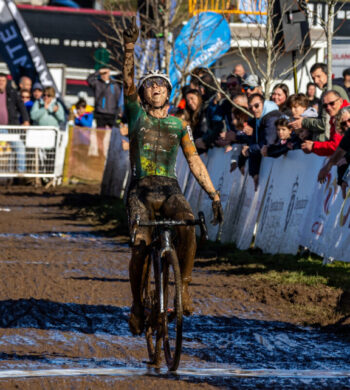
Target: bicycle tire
(153,332)
(172,320)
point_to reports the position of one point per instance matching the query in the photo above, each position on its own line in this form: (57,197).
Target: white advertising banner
(326,230)
(182,170)
(249,207)
(193,191)
(288,196)
(219,170)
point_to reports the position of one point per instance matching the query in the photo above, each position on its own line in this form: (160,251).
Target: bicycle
(162,293)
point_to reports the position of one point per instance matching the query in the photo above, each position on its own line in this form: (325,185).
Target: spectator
(280,94)
(332,103)
(252,85)
(107,93)
(240,71)
(314,101)
(344,82)
(343,150)
(37,91)
(194,113)
(82,117)
(25,83)
(48,111)
(27,101)
(264,132)
(287,140)
(299,107)
(233,85)
(317,125)
(11,108)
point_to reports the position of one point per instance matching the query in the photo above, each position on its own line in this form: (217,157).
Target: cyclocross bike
(162,291)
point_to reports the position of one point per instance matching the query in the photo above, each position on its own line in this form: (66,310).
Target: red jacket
(327,148)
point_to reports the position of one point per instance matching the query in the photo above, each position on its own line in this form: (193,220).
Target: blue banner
(18,48)
(204,39)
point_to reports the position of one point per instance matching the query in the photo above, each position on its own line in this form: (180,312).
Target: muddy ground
(64,298)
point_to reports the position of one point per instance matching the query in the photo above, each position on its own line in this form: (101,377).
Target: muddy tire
(173,314)
(153,325)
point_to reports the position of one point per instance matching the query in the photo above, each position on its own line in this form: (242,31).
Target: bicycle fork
(165,241)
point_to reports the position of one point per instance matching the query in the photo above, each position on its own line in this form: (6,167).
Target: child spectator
(82,118)
(27,101)
(287,140)
(300,108)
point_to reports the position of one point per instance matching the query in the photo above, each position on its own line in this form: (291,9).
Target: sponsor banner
(182,170)
(232,205)
(86,154)
(18,48)
(249,206)
(116,174)
(288,196)
(326,230)
(193,191)
(219,170)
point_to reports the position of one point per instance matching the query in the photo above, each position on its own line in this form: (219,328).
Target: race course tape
(214,372)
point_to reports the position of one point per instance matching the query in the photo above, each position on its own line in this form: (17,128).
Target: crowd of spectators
(236,114)
(233,113)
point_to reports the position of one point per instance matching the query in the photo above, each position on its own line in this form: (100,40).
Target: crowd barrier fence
(289,209)
(31,152)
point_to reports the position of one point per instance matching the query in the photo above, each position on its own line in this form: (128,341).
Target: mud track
(64,298)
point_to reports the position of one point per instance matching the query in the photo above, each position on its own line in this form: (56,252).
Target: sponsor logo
(291,204)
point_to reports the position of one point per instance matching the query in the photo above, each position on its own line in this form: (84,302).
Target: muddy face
(156,95)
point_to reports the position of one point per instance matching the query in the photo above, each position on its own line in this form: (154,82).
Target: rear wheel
(173,312)
(153,325)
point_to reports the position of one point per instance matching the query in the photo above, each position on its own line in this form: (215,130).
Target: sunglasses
(325,105)
(246,87)
(233,84)
(47,95)
(256,105)
(159,81)
(345,123)
(25,97)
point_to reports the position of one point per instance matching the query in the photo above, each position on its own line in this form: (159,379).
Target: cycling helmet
(154,73)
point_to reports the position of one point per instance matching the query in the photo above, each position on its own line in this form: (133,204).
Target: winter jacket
(318,125)
(327,148)
(84,120)
(106,94)
(42,116)
(214,120)
(15,107)
(264,133)
(281,147)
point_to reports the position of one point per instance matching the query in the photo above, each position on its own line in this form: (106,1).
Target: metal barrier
(30,151)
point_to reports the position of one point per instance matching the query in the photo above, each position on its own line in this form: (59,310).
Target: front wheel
(173,312)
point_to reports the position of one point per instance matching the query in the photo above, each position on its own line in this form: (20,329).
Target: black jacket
(15,107)
(278,148)
(106,94)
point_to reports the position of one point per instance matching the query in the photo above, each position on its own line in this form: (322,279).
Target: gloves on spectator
(131,34)
(218,212)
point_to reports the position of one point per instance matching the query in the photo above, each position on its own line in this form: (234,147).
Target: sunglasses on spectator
(256,105)
(25,96)
(246,87)
(233,84)
(325,105)
(47,94)
(159,81)
(345,123)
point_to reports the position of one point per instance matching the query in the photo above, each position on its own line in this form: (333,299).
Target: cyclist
(154,141)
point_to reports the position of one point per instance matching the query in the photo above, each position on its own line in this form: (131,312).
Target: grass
(283,269)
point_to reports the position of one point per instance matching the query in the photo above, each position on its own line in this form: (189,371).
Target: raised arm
(130,37)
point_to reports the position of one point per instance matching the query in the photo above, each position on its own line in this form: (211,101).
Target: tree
(276,39)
